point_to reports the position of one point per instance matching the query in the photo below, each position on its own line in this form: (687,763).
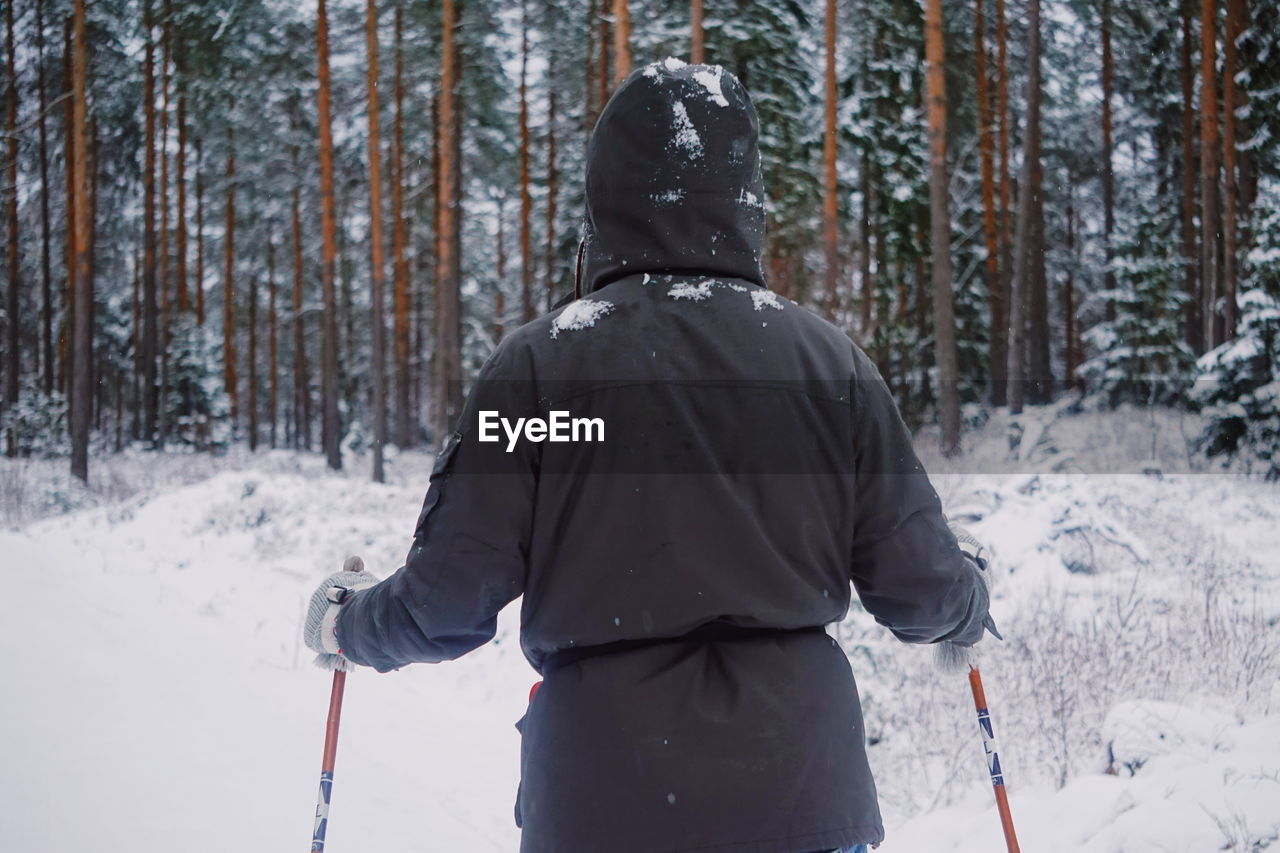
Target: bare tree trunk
(12,304)
(253,363)
(940,231)
(273,344)
(526,202)
(605,40)
(1209,172)
(830,227)
(301,381)
(997,355)
(180,235)
(621,41)
(67,327)
(1236,17)
(46,280)
(553,177)
(1194,324)
(1072,354)
(82,368)
(500,299)
(162,423)
(329,327)
(1029,259)
(449,356)
(150,326)
(199,282)
(696,52)
(230,380)
(1000,332)
(406,427)
(1108,173)
(590,109)
(378,277)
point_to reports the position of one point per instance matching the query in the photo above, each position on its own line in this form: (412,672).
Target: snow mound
(710,80)
(693,291)
(762,299)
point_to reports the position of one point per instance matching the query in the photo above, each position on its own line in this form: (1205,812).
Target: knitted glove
(319,632)
(956,656)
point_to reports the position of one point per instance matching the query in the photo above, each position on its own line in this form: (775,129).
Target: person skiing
(680,560)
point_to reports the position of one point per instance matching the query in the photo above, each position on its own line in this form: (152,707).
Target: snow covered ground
(156,693)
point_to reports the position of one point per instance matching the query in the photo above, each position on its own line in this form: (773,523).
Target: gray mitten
(320,630)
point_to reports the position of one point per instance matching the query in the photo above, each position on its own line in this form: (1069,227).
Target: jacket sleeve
(906,565)
(469,550)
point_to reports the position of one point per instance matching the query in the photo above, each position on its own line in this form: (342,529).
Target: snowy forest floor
(157,693)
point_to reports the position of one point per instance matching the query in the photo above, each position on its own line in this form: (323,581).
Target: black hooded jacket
(678,574)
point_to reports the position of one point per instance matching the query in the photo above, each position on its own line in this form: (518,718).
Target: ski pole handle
(993,759)
(326,763)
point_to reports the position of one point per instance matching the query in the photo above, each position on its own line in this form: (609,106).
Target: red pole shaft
(326,763)
(993,760)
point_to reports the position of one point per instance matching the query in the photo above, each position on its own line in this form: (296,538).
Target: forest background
(305,225)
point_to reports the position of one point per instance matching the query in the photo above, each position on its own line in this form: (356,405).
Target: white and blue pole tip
(322,812)
(989,747)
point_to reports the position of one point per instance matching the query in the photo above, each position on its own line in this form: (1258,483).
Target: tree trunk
(230,383)
(1028,276)
(449,359)
(273,345)
(604,41)
(1236,18)
(253,363)
(301,381)
(1194,324)
(940,230)
(406,428)
(621,41)
(66,327)
(150,327)
(377,279)
(499,298)
(1000,331)
(553,177)
(199,282)
(162,422)
(868,289)
(12,305)
(1072,353)
(329,328)
(696,52)
(180,235)
(82,368)
(830,227)
(997,356)
(1108,173)
(46,280)
(526,202)
(1209,172)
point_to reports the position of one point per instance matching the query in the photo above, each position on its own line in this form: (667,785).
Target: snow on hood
(673,178)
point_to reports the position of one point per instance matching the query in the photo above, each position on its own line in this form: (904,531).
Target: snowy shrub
(1239,391)
(1141,356)
(37,423)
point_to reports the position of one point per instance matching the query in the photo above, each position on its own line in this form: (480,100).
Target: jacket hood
(673,178)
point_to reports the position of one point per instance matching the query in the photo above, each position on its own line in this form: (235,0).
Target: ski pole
(993,759)
(337,595)
(326,763)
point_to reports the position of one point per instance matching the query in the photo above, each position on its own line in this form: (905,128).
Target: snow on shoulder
(580,315)
(710,80)
(762,299)
(695,291)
